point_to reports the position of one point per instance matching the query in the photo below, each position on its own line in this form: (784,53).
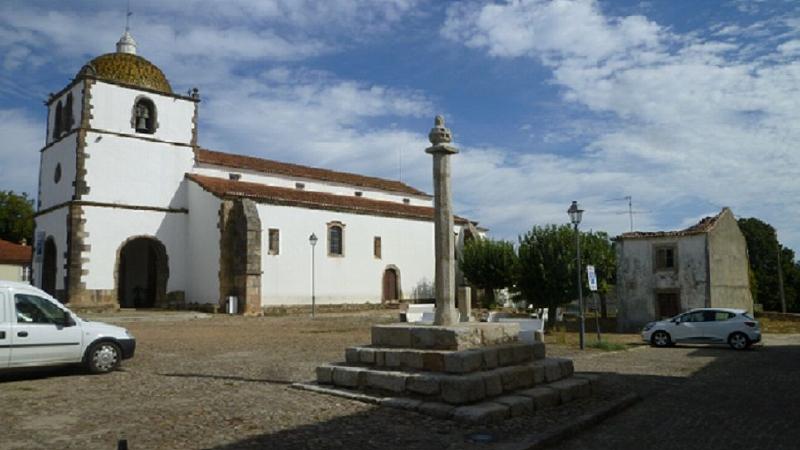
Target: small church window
(234,176)
(58,120)
(299,185)
(67,115)
(359,193)
(335,239)
(57,175)
(406,201)
(376,247)
(144,116)
(274,241)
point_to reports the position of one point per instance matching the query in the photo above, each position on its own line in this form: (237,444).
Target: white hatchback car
(735,327)
(37,330)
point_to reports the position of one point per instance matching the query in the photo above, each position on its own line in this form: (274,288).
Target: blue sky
(686,106)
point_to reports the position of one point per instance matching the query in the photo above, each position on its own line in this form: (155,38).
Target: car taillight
(750,324)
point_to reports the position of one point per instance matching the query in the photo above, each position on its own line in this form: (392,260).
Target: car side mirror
(68,321)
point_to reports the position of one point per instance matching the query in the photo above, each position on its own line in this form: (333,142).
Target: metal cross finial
(128,15)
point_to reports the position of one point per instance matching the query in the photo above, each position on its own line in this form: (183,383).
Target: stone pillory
(444,243)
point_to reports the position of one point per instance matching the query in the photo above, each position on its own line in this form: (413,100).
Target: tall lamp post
(313,241)
(575,215)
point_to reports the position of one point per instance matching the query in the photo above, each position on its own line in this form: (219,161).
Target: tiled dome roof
(127,68)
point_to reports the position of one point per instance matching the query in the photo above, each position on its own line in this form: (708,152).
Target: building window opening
(144,116)
(335,240)
(300,186)
(665,258)
(234,176)
(274,241)
(57,121)
(67,115)
(359,193)
(57,174)
(376,247)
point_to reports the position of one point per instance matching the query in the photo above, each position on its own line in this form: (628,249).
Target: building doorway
(391,285)
(49,267)
(142,273)
(668,304)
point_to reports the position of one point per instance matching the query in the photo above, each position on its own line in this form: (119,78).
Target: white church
(134,213)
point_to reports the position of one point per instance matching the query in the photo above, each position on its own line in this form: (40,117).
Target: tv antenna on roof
(630,212)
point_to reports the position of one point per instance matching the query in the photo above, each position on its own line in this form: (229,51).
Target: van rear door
(5,330)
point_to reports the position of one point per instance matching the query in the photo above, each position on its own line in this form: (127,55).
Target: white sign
(592,278)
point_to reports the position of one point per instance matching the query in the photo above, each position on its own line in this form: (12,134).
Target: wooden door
(389,285)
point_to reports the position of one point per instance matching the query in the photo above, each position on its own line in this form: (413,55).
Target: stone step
(456,389)
(450,361)
(495,410)
(460,336)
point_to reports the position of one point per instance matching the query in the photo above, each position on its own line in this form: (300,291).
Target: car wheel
(738,341)
(103,357)
(661,339)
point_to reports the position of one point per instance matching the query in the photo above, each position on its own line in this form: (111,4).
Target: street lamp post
(575,215)
(313,241)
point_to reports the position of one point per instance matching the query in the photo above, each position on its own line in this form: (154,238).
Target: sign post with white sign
(593,287)
(592,278)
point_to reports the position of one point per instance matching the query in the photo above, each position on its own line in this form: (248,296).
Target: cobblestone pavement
(222,383)
(699,397)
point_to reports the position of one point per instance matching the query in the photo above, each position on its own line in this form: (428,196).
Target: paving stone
(460,389)
(424,384)
(571,388)
(552,370)
(463,362)
(324,374)
(412,359)
(351,377)
(433,361)
(493,382)
(408,404)
(436,409)
(539,351)
(392,358)
(366,355)
(489,358)
(542,396)
(388,381)
(481,413)
(538,372)
(351,355)
(505,356)
(518,405)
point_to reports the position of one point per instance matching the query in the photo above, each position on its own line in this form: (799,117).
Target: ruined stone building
(133,212)
(661,274)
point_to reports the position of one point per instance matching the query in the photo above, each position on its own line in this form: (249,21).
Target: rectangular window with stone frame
(274,241)
(376,247)
(665,258)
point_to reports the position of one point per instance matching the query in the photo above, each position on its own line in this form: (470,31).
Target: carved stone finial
(439,133)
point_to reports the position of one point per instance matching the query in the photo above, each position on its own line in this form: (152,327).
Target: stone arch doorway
(142,273)
(391,284)
(49,268)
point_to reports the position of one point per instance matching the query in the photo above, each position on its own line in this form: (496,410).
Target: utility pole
(780,275)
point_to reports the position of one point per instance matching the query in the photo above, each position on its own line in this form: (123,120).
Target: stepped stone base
(471,372)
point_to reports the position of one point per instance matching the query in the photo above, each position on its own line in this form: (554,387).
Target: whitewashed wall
(63,153)
(355,277)
(203,246)
(112,110)
(311,185)
(133,171)
(77,104)
(11,272)
(52,224)
(109,228)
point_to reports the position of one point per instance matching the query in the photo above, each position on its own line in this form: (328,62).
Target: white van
(37,330)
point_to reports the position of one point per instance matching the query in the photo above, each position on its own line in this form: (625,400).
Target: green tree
(16,217)
(489,265)
(762,249)
(546,272)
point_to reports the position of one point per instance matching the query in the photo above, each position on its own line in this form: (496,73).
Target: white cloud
(693,119)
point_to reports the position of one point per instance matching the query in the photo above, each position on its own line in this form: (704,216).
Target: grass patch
(607,346)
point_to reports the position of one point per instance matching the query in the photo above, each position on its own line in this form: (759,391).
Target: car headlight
(649,326)
(129,334)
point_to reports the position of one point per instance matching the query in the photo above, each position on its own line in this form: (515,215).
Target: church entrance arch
(49,267)
(142,272)
(391,284)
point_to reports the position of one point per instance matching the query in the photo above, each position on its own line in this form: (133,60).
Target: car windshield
(747,315)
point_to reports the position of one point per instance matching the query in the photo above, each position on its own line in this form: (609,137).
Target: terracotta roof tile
(295,170)
(11,253)
(223,188)
(703,226)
